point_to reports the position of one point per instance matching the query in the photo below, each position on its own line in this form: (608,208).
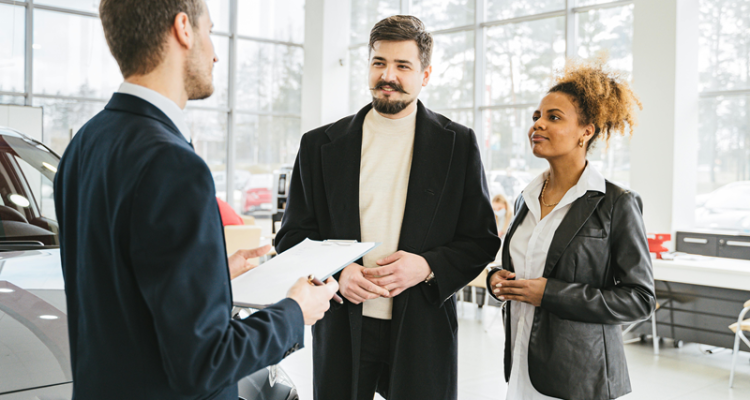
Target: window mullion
(570,29)
(29,54)
(232,98)
(405,7)
(479,72)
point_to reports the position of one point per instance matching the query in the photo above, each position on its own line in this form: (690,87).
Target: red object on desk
(655,241)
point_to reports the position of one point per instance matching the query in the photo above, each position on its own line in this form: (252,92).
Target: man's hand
(528,290)
(239,262)
(398,272)
(356,288)
(313,300)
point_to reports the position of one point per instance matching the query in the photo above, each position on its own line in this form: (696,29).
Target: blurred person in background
(503,214)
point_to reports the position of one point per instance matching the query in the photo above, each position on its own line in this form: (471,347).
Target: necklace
(541,197)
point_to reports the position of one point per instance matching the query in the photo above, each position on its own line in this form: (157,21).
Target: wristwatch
(430,277)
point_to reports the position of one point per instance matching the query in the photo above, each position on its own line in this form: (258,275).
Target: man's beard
(390,107)
(198,83)
(384,105)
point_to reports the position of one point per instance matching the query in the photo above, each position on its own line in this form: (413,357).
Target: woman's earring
(580,144)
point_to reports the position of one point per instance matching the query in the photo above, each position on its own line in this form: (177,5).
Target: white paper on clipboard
(269,282)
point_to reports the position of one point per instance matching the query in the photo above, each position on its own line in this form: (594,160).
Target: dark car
(34,352)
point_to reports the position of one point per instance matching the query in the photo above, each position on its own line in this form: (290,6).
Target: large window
(12,45)
(492,63)
(724,129)
(256,110)
(248,128)
(270,58)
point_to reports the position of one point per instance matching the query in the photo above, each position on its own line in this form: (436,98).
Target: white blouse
(528,252)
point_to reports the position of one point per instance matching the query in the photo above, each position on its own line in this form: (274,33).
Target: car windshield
(27,208)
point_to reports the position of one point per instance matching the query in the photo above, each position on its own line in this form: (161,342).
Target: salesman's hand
(398,272)
(356,288)
(239,262)
(313,300)
(526,290)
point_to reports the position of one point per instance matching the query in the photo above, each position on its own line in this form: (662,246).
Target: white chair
(739,328)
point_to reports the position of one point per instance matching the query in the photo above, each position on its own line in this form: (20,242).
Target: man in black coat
(143,254)
(399,174)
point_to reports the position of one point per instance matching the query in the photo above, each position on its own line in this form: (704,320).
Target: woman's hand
(528,290)
(500,276)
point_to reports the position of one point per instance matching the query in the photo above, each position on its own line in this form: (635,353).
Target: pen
(315,281)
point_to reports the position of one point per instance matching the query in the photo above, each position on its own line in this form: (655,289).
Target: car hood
(34,348)
(721,218)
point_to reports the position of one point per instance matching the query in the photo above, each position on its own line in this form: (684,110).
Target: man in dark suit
(143,254)
(399,174)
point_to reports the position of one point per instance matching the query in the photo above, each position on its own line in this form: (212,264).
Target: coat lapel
(431,162)
(521,211)
(340,163)
(579,213)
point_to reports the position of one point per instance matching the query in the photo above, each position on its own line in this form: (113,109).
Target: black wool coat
(448,220)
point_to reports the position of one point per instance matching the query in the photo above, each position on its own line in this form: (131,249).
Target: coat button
(292,350)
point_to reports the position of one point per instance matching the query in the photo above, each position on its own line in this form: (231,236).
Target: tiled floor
(685,374)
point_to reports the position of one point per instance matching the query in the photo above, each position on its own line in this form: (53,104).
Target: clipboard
(269,282)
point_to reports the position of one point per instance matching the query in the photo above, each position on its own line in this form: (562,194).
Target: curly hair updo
(602,97)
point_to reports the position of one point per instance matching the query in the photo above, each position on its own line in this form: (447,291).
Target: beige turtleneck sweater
(387,147)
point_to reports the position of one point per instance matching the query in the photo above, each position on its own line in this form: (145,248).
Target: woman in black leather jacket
(575,259)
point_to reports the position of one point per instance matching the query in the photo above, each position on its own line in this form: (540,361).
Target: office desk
(700,299)
(716,272)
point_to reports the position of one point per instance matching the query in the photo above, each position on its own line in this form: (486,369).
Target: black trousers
(374,361)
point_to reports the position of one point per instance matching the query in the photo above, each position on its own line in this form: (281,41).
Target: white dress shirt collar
(591,179)
(163,103)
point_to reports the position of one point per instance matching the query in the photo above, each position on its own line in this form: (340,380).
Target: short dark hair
(404,27)
(136,30)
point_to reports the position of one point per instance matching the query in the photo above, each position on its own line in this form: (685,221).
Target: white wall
(664,146)
(325,89)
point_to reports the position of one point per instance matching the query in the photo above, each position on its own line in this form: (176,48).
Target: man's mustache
(393,85)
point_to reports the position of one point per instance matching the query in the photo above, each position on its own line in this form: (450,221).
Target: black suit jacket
(145,267)
(448,220)
(599,276)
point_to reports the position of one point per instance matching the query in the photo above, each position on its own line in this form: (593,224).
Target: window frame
(230,110)
(480,106)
